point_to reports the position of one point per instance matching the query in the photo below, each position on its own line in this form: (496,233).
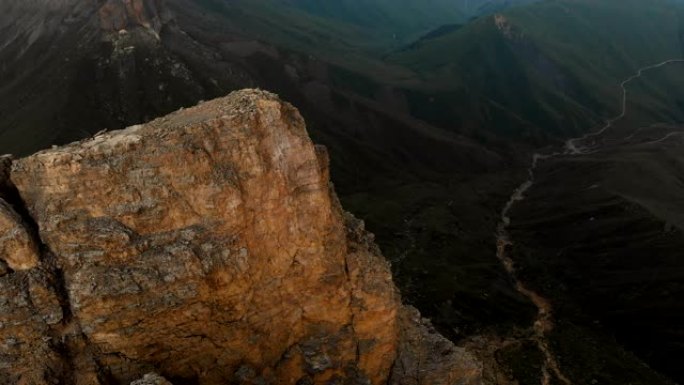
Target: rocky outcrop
(151,379)
(118,15)
(426,357)
(206,246)
(18,250)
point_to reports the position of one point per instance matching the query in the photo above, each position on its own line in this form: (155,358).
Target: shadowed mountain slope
(429,131)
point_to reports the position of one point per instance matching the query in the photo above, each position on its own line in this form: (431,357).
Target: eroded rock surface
(427,357)
(17,249)
(151,379)
(206,246)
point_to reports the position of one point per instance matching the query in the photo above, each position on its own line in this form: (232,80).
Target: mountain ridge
(426,144)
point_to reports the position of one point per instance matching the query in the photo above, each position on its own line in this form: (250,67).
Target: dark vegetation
(430,117)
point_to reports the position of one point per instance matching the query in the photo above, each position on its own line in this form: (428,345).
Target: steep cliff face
(207,246)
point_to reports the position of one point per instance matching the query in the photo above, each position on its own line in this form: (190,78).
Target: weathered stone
(426,357)
(17,247)
(27,355)
(151,379)
(208,246)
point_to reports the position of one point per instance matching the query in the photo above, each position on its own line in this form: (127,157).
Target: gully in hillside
(576,146)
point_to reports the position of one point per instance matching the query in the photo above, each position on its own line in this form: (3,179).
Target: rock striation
(206,246)
(18,249)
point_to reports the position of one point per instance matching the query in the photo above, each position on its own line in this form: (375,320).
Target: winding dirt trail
(574,146)
(544,322)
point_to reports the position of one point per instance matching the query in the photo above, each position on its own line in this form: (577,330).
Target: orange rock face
(208,246)
(17,248)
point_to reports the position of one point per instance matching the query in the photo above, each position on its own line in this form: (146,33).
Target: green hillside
(393,20)
(312,25)
(402,18)
(474,8)
(373,27)
(556,65)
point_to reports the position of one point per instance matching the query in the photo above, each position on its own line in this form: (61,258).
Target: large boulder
(208,246)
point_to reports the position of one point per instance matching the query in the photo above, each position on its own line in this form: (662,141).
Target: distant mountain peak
(507,29)
(118,15)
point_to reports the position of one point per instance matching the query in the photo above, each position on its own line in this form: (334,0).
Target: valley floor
(602,178)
